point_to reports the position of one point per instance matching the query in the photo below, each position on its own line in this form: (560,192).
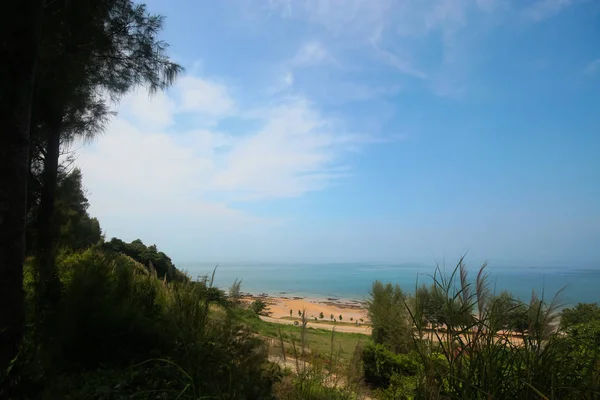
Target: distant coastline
(353,281)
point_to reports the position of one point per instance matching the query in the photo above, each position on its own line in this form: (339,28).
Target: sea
(353,280)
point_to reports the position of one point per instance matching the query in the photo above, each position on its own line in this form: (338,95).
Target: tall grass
(468,357)
(318,376)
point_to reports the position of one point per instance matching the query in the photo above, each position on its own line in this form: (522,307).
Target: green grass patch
(318,340)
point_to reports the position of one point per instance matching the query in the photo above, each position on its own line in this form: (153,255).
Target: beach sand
(279,308)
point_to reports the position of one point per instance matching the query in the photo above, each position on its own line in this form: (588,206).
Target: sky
(363,131)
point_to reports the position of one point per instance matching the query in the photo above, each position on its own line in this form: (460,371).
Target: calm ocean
(353,281)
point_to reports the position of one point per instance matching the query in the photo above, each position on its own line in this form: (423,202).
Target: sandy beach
(353,312)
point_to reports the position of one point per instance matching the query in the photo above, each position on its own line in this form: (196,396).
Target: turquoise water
(353,281)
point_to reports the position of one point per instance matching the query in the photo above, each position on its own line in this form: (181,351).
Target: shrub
(381,366)
(121,327)
(111,309)
(258,306)
(581,313)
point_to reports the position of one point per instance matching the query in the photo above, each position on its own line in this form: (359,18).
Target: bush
(125,332)
(149,256)
(382,367)
(110,311)
(258,306)
(581,313)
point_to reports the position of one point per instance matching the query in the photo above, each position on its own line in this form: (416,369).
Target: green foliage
(389,317)
(125,332)
(430,302)
(310,388)
(76,230)
(235,292)
(505,312)
(149,256)
(258,306)
(111,301)
(580,314)
(383,367)
(468,344)
(321,315)
(527,359)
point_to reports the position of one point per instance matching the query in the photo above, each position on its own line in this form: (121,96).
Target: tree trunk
(49,285)
(19,29)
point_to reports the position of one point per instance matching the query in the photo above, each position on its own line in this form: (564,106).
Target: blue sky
(363,130)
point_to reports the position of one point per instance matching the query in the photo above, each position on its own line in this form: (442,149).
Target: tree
(429,304)
(291,312)
(76,229)
(20,30)
(89,49)
(389,317)
(149,256)
(502,310)
(258,306)
(235,292)
(581,313)
(340,317)
(321,315)
(332,317)
(299,313)
(351,319)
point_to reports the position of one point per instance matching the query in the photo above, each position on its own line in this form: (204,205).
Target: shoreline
(317,310)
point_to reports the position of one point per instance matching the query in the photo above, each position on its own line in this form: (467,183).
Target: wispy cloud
(543,9)
(310,54)
(593,68)
(395,61)
(203,96)
(292,149)
(397,31)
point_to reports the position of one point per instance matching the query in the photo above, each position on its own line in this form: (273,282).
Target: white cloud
(288,79)
(203,96)
(311,53)
(543,9)
(294,152)
(593,67)
(133,170)
(151,111)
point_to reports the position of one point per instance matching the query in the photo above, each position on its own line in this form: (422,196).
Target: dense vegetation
(85,318)
(149,256)
(460,341)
